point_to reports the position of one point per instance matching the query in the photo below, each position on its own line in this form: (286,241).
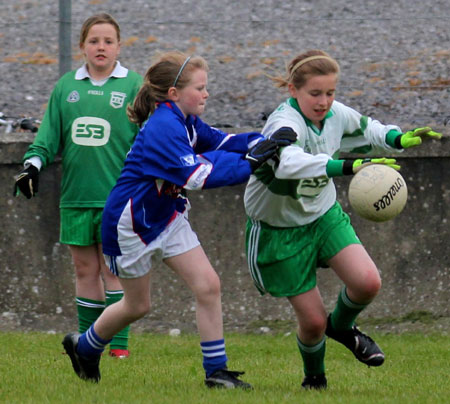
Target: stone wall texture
(412,252)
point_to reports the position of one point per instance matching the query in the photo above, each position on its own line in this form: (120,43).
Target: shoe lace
(359,333)
(362,341)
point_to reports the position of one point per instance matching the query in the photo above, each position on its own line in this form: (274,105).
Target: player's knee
(209,289)
(375,287)
(374,284)
(370,287)
(139,310)
(85,270)
(314,327)
(141,313)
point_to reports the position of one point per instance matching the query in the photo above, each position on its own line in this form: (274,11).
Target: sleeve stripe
(197,179)
(225,139)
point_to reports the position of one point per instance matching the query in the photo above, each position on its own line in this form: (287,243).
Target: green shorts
(81,226)
(283,260)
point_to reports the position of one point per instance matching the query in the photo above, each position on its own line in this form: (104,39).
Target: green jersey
(89,125)
(296,190)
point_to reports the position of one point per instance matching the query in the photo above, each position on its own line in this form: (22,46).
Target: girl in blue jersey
(145,215)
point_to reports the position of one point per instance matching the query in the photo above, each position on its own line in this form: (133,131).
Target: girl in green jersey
(86,121)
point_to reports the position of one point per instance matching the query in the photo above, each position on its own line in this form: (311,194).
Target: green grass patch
(423,321)
(423,317)
(163,369)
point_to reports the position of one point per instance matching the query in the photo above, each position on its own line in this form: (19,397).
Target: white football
(377,193)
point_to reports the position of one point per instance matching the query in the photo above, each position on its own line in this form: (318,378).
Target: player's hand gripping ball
(378,193)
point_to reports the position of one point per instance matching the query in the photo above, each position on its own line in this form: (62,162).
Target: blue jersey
(171,154)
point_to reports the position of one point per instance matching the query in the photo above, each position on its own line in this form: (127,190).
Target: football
(378,193)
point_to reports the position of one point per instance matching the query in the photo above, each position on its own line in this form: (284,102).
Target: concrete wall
(412,252)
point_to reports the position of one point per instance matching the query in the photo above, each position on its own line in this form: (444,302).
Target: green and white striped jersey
(296,190)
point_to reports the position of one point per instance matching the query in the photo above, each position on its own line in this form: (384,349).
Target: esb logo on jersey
(90,131)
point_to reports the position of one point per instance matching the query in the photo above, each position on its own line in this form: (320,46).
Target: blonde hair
(170,68)
(311,63)
(102,18)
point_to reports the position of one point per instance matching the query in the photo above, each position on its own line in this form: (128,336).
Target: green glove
(353,166)
(415,137)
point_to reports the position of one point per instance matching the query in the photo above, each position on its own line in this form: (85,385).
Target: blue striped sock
(90,344)
(214,356)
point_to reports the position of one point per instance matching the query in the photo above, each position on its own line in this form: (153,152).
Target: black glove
(261,152)
(284,136)
(27,182)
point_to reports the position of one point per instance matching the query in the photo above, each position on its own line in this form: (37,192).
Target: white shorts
(177,238)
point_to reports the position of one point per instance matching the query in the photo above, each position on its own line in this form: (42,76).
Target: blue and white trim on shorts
(113,265)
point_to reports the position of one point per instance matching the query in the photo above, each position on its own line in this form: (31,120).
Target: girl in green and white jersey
(295,224)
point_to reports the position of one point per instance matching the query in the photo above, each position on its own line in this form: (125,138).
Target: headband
(180,71)
(308,59)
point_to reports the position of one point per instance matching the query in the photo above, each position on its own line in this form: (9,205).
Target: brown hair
(102,18)
(318,63)
(159,78)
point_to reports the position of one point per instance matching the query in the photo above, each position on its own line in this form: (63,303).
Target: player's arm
(221,168)
(171,157)
(47,142)
(389,136)
(210,138)
(42,151)
(362,134)
(294,164)
(336,168)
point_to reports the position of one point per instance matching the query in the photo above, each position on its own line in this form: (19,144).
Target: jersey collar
(189,120)
(119,71)
(294,104)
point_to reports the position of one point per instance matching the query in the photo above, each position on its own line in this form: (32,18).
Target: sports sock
(214,356)
(313,357)
(88,311)
(345,312)
(90,344)
(120,340)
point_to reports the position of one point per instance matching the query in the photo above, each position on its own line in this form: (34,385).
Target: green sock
(88,311)
(313,357)
(120,340)
(345,312)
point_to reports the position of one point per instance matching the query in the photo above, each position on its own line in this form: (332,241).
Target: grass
(165,369)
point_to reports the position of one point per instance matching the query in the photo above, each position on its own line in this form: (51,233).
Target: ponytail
(144,104)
